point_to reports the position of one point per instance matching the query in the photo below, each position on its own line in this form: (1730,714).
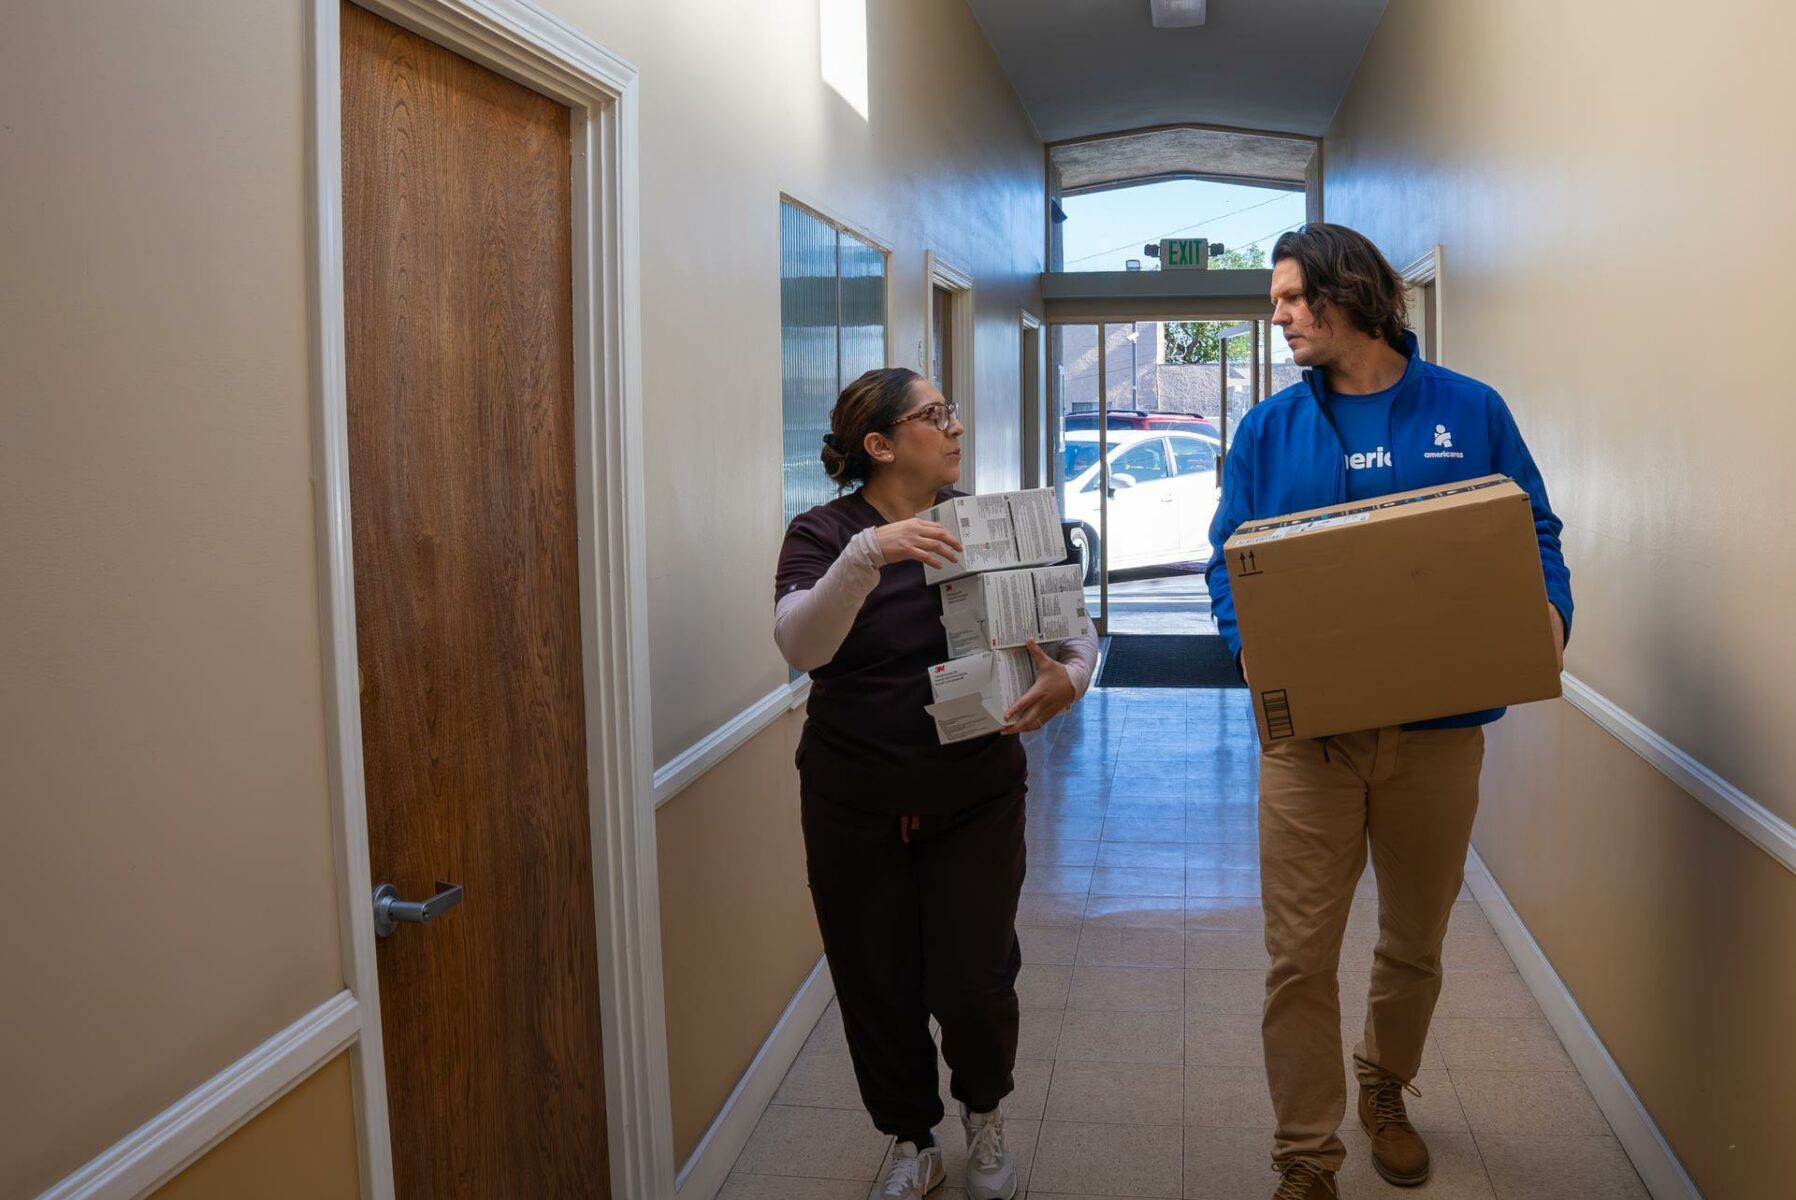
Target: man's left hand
(1052,694)
(1558,633)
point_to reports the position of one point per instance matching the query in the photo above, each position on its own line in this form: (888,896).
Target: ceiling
(1086,67)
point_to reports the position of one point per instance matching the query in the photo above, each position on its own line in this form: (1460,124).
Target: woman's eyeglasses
(939,415)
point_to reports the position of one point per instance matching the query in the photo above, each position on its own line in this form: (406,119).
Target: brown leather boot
(1398,1152)
(1302,1181)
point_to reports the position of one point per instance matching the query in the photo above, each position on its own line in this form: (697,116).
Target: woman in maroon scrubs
(914,849)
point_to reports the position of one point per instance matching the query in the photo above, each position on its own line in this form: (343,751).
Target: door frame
(1122,314)
(600,89)
(1034,401)
(1423,278)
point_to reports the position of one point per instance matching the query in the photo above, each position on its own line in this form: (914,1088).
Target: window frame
(883,247)
(1117,468)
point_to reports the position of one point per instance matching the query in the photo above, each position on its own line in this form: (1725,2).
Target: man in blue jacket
(1369,418)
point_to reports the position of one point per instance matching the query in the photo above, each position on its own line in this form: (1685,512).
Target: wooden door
(458,291)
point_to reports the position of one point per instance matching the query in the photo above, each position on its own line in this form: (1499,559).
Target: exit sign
(1184,254)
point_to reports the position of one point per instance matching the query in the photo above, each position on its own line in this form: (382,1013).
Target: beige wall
(734,112)
(302,1147)
(165,855)
(1601,180)
(738,932)
(167,860)
(1676,935)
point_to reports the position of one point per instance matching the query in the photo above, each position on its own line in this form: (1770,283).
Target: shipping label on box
(999,531)
(1403,608)
(1002,609)
(973,694)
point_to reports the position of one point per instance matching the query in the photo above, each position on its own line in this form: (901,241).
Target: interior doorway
(941,329)
(1423,281)
(947,351)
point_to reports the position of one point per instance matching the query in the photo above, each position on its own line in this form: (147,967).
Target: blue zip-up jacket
(1286,457)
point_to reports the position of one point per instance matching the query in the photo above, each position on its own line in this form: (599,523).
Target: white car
(1163,493)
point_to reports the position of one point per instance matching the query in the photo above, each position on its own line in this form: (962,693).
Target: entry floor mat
(1168,661)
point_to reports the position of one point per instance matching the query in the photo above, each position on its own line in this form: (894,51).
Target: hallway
(1139,1072)
(407,407)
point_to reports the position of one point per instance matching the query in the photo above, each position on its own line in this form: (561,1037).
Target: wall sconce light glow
(843,24)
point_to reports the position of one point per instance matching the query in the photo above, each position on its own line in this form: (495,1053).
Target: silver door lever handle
(390,911)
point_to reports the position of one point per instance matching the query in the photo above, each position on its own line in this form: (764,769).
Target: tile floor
(1139,1071)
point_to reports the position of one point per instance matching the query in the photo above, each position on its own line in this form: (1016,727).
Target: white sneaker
(914,1172)
(991,1172)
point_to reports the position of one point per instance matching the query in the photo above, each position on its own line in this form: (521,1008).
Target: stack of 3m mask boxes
(999,595)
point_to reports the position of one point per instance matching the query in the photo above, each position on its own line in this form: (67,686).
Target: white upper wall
(735,112)
(1609,197)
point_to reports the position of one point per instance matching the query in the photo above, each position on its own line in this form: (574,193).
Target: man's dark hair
(1345,272)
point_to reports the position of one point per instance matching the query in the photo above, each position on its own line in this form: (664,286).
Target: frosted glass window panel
(863,308)
(810,353)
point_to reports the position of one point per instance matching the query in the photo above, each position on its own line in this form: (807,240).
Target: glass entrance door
(1142,412)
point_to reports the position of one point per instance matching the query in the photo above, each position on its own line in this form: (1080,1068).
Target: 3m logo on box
(973,694)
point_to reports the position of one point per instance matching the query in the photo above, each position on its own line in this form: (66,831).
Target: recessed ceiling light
(1178,14)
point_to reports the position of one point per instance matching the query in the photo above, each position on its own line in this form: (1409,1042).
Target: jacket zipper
(1317,390)
(1390,420)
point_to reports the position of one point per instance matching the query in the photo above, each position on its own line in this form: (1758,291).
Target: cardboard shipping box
(973,694)
(1001,609)
(1403,608)
(999,531)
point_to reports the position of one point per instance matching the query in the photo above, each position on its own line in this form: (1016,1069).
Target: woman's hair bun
(870,404)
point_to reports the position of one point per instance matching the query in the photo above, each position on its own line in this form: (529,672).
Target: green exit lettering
(1182,254)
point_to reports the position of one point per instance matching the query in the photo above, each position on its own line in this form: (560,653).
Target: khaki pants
(1412,795)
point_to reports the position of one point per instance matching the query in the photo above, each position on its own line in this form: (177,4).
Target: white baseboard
(679,774)
(703,1175)
(178,1135)
(1634,1127)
